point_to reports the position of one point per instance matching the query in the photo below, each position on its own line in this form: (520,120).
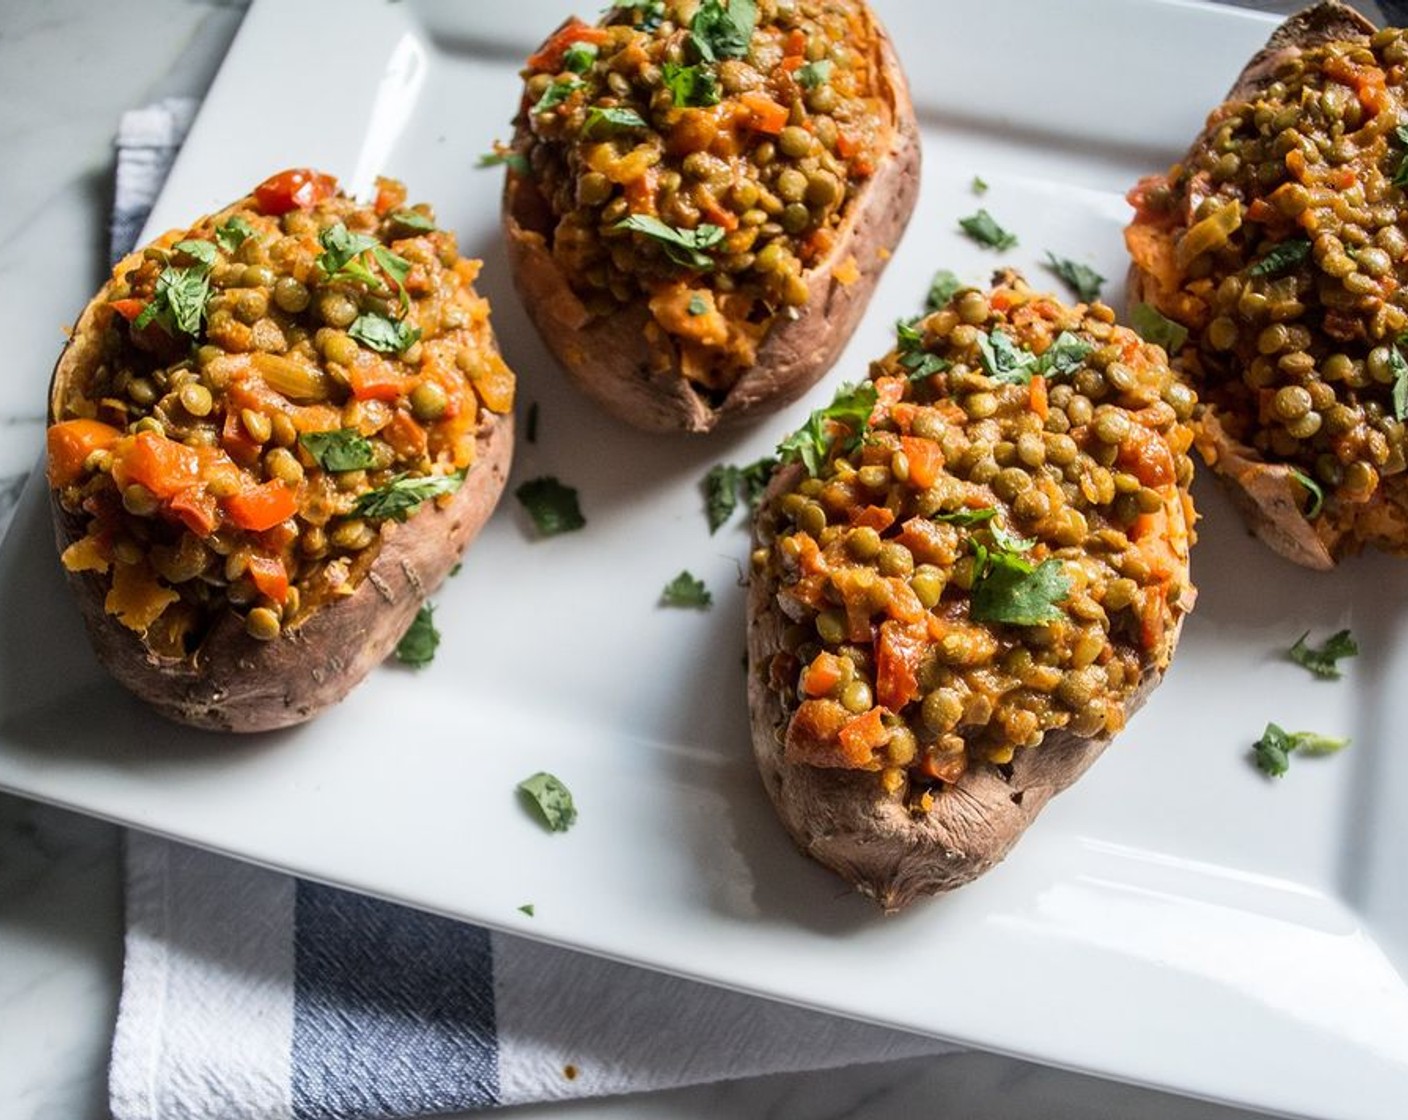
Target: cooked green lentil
(910,653)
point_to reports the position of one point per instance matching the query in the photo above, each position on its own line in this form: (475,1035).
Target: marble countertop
(67,70)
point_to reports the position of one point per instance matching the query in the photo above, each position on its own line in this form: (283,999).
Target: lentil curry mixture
(985,542)
(265,390)
(702,158)
(1279,244)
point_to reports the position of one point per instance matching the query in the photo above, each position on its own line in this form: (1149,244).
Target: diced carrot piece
(862,735)
(406,437)
(261,507)
(377,380)
(822,676)
(70,442)
(925,457)
(1037,401)
(878,518)
(162,465)
(764,114)
(390,195)
(129,309)
(270,577)
(898,652)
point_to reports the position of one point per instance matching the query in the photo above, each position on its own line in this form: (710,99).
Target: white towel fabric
(249,995)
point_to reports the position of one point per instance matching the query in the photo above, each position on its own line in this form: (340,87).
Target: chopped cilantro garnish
(178,303)
(811,443)
(1154,327)
(526,908)
(417,645)
(978,185)
(683,246)
(913,356)
(403,495)
(692,87)
(560,90)
(413,219)
(340,247)
(515,161)
(342,450)
(1012,590)
(1323,660)
(1064,356)
(601,123)
(1003,359)
(967,517)
(1283,255)
(203,252)
(1313,488)
(552,506)
(552,800)
(1399,368)
(983,229)
(233,234)
(1274,749)
(942,288)
(1400,176)
(578,58)
(813,74)
(720,32)
(686,591)
(1083,280)
(721,494)
(389,336)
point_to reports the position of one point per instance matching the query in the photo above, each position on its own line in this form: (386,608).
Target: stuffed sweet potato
(969,572)
(1277,244)
(700,199)
(270,437)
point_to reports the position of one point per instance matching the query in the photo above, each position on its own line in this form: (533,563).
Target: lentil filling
(985,542)
(261,393)
(1279,244)
(702,158)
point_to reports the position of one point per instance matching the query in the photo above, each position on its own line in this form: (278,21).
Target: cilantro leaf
(1400,175)
(813,74)
(692,87)
(912,354)
(811,443)
(1083,280)
(403,495)
(560,90)
(1313,488)
(1004,360)
(601,123)
(342,450)
(683,246)
(552,506)
(526,908)
(1064,356)
(719,32)
(983,229)
(578,58)
(1399,368)
(1154,327)
(1283,255)
(1274,749)
(1323,660)
(686,591)
(978,185)
(721,494)
(552,800)
(417,645)
(233,234)
(204,252)
(652,12)
(178,302)
(967,517)
(517,162)
(942,288)
(1008,541)
(413,219)
(754,479)
(1015,592)
(340,247)
(389,336)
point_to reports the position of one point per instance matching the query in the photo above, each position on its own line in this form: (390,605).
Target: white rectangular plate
(1176,920)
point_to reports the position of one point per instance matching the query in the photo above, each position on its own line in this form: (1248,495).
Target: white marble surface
(67,70)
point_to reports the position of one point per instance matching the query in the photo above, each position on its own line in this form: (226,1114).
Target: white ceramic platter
(1176,920)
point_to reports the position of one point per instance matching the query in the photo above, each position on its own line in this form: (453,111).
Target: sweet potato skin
(846,821)
(1266,493)
(233,682)
(609,358)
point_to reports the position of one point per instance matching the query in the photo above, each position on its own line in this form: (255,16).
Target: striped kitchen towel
(250,995)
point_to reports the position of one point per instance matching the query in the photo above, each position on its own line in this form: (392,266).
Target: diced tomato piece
(162,465)
(898,652)
(1145,455)
(925,459)
(70,442)
(298,188)
(197,510)
(548,58)
(129,309)
(377,380)
(270,576)
(861,736)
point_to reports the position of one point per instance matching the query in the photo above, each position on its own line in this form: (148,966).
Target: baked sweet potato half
(701,197)
(271,435)
(1276,251)
(968,574)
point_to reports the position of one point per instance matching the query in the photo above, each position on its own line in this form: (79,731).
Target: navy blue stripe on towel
(393,1010)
